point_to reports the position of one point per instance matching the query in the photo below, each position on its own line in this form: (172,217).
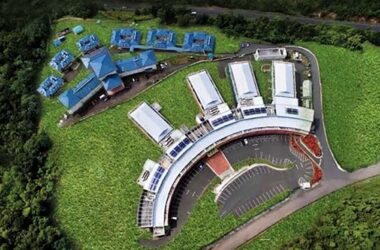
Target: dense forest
(26,181)
(344,9)
(277,30)
(353,223)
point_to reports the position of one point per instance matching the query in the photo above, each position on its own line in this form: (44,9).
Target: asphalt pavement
(250,14)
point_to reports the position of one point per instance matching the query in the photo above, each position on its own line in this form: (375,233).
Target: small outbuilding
(78,29)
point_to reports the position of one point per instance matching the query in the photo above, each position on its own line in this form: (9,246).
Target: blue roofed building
(62,60)
(145,61)
(78,29)
(198,42)
(125,38)
(100,61)
(113,84)
(161,39)
(50,86)
(88,43)
(73,99)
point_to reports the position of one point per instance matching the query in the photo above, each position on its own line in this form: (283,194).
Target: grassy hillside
(298,223)
(351,98)
(101,158)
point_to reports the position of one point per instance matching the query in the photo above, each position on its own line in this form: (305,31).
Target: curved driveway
(334,177)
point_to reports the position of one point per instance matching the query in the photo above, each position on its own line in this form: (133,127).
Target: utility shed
(78,29)
(307,89)
(151,122)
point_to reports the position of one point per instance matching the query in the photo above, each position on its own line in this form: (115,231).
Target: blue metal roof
(161,38)
(144,59)
(73,96)
(112,82)
(125,38)
(50,85)
(198,42)
(100,61)
(62,60)
(88,43)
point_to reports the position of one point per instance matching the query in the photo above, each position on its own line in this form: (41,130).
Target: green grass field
(101,157)
(264,81)
(299,222)
(351,98)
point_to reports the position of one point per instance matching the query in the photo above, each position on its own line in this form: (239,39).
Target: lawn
(300,221)
(251,161)
(264,81)
(351,102)
(102,157)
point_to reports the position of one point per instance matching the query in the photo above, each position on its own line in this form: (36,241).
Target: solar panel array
(222,120)
(292,111)
(156,178)
(145,211)
(255,111)
(179,147)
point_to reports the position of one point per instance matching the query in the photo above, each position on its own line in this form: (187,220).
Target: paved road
(254,186)
(334,177)
(253,14)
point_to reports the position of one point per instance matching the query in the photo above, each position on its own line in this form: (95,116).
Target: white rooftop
(204,89)
(284,79)
(243,80)
(151,122)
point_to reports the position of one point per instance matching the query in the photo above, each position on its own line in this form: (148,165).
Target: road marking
(282,187)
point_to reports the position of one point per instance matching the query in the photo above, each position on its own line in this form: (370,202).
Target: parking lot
(257,185)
